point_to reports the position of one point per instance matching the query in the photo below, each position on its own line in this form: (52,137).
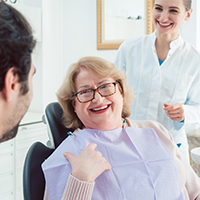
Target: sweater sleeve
(75,190)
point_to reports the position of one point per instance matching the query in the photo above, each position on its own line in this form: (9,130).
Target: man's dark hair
(16,44)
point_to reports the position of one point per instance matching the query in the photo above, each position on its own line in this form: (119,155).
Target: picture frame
(113,28)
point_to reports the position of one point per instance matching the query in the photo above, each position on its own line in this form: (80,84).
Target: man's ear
(10,84)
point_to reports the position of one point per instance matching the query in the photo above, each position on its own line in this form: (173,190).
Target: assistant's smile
(164,24)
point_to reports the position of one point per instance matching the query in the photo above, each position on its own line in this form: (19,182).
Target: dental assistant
(164,71)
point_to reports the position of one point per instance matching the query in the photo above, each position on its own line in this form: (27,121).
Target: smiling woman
(169,18)
(117,21)
(165,71)
(109,147)
(109,80)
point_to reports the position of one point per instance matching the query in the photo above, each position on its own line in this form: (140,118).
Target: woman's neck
(167,37)
(162,44)
(107,126)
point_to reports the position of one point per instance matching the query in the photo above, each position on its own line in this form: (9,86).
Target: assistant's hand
(174,111)
(88,165)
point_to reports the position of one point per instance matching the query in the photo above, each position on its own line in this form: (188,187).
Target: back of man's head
(16,44)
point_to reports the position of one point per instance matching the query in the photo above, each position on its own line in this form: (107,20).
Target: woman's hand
(174,111)
(88,165)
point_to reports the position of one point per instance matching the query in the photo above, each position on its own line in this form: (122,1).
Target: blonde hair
(187,3)
(103,69)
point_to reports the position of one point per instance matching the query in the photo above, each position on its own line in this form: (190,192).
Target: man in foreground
(16,69)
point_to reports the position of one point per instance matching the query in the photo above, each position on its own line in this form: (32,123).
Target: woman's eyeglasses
(104,90)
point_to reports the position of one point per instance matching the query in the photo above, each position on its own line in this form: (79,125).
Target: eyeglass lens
(104,90)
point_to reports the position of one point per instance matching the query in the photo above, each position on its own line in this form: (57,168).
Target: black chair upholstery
(33,177)
(53,118)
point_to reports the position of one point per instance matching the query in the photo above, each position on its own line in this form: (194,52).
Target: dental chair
(33,177)
(57,132)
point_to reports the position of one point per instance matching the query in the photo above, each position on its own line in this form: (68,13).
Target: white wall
(52,44)
(198,24)
(190,29)
(48,54)
(34,3)
(36,103)
(80,32)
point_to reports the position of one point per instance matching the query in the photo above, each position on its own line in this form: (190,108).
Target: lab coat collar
(173,45)
(176,43)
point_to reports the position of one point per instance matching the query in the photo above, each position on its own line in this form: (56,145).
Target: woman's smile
(100,109)
(164,24)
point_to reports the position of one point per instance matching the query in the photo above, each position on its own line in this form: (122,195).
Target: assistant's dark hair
(16,44)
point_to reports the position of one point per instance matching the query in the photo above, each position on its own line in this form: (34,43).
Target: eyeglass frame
(96,90)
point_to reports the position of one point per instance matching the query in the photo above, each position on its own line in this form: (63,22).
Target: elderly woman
(109,156)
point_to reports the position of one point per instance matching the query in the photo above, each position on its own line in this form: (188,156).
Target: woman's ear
(188,15)
(121,89)
(10,84)
(74,104)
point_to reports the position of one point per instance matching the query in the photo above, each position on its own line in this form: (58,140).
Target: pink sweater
(189,181)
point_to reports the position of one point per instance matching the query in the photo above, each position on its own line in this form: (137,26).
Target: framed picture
(118,20)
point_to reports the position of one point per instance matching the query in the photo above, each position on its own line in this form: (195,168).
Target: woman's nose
(164,16)
(97,96)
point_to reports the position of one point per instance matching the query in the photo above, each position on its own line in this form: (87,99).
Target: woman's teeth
(164,24)
(101,108)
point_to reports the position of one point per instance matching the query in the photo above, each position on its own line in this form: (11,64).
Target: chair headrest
(54,115)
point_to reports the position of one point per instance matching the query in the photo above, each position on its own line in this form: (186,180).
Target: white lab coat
(177,80)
